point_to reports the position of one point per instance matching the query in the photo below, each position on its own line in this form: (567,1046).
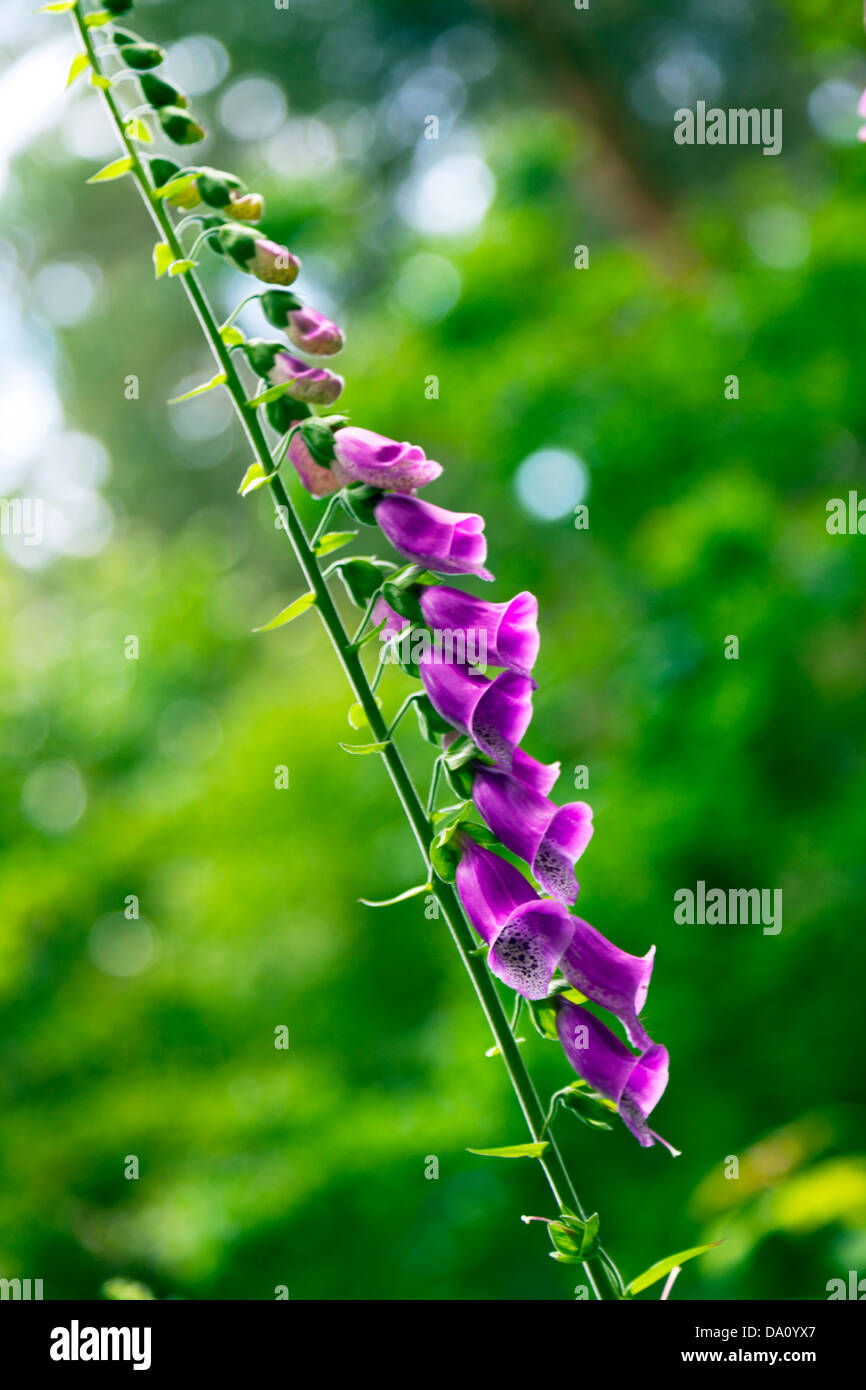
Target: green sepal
(574,1240)
(459,780)
(261,354)
(401,646)
(360,501)
(284,412)
(239,243)
(277,305)
(461,752)
(431,725)
(318,436)
(158,92)
(444,855)
(404,601)
(363,576)
(178,124)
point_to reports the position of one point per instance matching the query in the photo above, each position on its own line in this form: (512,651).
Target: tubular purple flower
(312,332)
(318,480)
(494,713)
(304,383)
(443,541)
(549,838)
(510,629)
(610,977)
(526,934)
(635,1084)
(367,457)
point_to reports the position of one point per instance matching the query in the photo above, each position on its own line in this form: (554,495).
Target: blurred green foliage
(155,777)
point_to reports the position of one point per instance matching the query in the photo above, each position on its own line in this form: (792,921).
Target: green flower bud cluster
(169,103)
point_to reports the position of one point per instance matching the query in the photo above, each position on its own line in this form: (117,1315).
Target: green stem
(551,1161)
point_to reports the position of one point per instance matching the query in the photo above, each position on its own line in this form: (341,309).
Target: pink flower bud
(314,384)
(312,332)
(272,263)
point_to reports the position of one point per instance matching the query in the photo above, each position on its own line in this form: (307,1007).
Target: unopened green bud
(158,92)
(180,126)
(136,52)
(117,6)
(215,187)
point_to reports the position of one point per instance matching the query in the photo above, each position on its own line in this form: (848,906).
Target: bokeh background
(155,777)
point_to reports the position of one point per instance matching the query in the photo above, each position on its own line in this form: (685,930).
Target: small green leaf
(174,186)
(363,750)
(514,1151)
(287,615)
(231,336)
(410,892)
(137,130)
(356,716)
(58,7)
(79,63)
(255,477)
(115,170)
(97,80)
(181,268)
(218,380)
(273,393)
(162,258)
(98,19)
(334,540)
(658,1271)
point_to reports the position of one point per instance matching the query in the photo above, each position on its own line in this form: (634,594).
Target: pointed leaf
(97,80)
(401,897)
(662,1267)
(293,611)
(58,7)
(218,380)
(181,268)
(115,170)
(334,540)
(79,63)
(98,19)
(273,393)
(254,478)
(364,749)
(162,258)
(514,1151)
(231,336)
(137,130)
(174,186)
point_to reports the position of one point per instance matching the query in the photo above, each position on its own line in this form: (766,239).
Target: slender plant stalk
(551,1160)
